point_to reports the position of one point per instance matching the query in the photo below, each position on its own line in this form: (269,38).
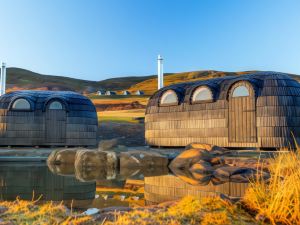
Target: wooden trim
(168,104)
(53,99)
(31,103)
(201,101)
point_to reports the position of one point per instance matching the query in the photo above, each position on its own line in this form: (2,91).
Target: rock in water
(90,164)
(105,145)
(213,149)
(189,157)
(91,158)
(138,158)
(63,156)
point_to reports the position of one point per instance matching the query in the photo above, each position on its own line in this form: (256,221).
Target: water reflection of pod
(21,179)
(169,187)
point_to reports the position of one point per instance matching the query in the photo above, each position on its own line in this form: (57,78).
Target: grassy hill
(150,85)
(24,79)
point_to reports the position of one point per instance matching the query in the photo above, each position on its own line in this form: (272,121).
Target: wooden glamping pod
(256,110)
(47,118)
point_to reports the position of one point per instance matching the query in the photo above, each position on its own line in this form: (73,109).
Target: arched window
(55,105)
(240,91)
(169,98)
(21,104)
(202,94)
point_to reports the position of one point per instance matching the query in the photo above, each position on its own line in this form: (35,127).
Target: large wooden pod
(256,110)
(47,118)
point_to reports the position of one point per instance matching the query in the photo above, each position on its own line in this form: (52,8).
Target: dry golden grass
(29,212)
(150,86)
(207,211)
(278,200)
(189,210)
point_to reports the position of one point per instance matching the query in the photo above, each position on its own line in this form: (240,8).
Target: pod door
(242,114)
(56,120)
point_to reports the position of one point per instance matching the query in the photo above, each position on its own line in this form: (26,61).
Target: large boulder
(91,158)
(139,159)
(63,156)
(189,157)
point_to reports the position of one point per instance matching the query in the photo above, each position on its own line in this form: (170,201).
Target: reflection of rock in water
(24,179)
(62,169)
(85,174)
(143,172)
(169,187)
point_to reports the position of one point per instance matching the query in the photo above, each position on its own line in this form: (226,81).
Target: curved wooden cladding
(268,118)
(50,127)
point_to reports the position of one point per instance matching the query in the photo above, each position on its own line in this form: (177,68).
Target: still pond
(87,189)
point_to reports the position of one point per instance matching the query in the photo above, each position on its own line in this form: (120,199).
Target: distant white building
(139,92)
(110,93)
(126,93)
(100,92)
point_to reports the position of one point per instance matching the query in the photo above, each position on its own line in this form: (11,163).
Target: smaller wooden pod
(47,118)
(254,110)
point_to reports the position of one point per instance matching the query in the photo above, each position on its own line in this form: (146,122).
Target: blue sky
(102,39)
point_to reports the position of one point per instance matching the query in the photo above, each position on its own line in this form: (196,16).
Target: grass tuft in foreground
(189,210)
(207,211)
(29,212)
(278,200)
